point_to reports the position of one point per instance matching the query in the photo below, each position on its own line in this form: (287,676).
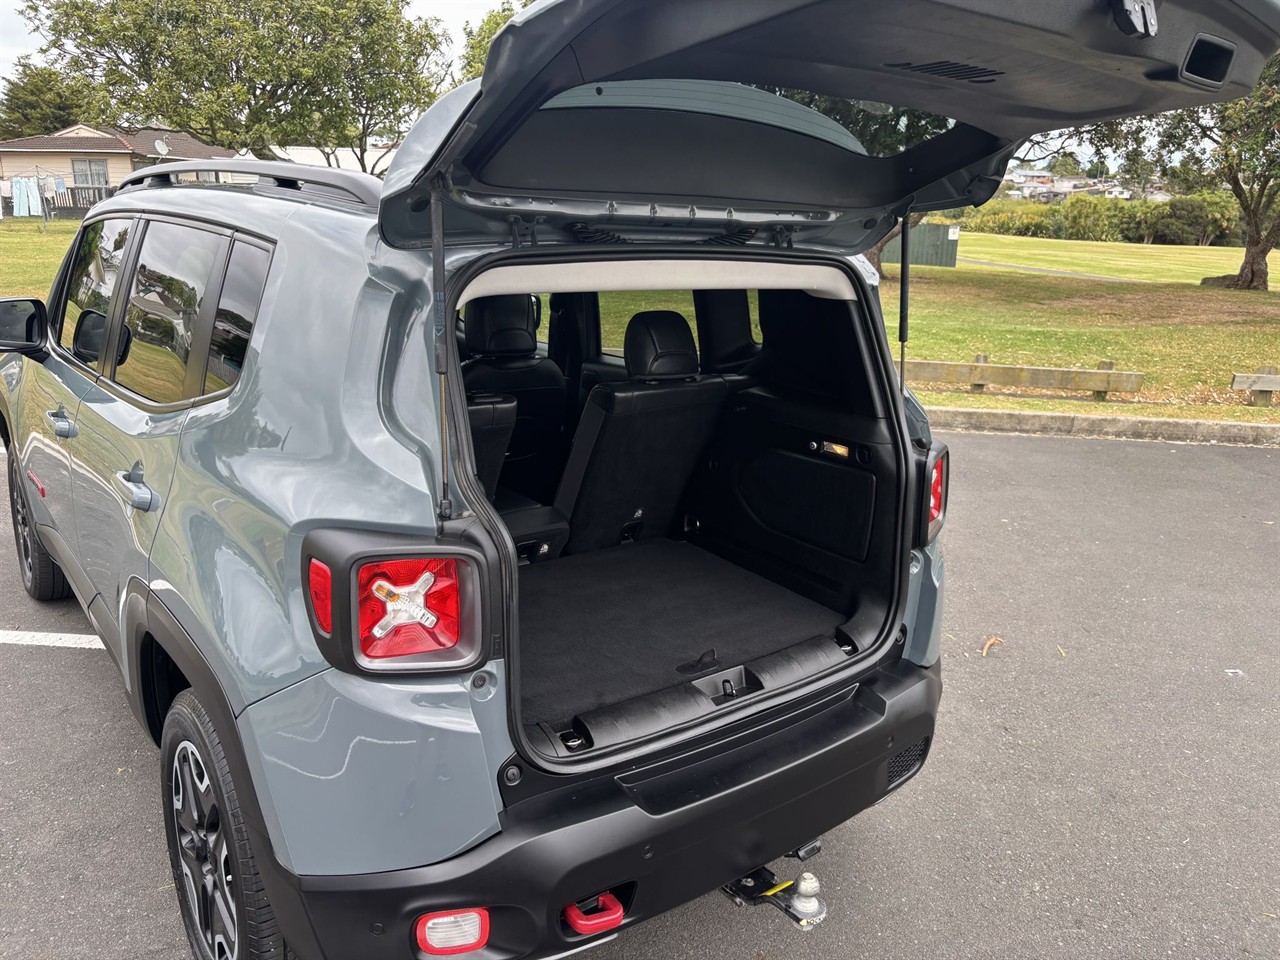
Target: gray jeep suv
(512,550)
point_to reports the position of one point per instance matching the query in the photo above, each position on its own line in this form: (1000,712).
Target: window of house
(169,285)
(237,309)
(89,173)
(99,257)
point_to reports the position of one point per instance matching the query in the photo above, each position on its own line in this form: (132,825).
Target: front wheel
(224,907)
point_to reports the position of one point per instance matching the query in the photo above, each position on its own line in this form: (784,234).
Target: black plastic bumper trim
(557,848)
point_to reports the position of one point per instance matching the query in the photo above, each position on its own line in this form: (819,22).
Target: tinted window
(237,308)
(99,256)
(169,286)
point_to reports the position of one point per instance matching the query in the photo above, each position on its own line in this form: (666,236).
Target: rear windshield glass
(860,126)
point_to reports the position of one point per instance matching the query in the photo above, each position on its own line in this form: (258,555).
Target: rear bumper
(657,837)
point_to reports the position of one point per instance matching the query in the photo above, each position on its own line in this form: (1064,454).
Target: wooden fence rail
(1261,385)
(980,373)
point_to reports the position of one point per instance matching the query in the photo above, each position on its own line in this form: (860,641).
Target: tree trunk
(1253,272)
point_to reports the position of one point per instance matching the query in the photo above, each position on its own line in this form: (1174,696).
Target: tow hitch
(798,898)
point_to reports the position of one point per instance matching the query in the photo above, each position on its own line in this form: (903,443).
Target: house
(1118,192)
(90,159)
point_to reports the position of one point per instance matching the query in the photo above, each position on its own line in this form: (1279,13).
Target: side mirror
(23,323)
(88,340)
(126,341)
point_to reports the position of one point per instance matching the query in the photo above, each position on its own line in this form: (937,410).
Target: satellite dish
(162,148)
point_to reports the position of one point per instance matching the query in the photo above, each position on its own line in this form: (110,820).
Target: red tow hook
(607,915)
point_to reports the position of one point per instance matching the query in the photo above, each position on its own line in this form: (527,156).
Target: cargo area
(704,489)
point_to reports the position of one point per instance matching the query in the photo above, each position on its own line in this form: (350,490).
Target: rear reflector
(320,582)
(453,932)
(408,607)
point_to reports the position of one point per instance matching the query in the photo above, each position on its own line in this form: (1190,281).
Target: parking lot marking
(82,641)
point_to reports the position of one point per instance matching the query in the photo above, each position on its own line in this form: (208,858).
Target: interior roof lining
(830,283)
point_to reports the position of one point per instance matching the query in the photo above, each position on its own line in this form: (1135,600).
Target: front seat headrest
(659,346)
(503,326)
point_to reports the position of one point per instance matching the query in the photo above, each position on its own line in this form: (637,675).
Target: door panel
(130,422)
(61,381)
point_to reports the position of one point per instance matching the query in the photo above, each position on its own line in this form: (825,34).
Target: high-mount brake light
(320,585)
(408,607)
(453,932)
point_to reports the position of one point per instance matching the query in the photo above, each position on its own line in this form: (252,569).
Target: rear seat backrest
(493,418)
(639,440)
(501,336)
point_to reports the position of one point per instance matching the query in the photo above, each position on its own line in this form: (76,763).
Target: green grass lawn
(30,253)
(1130,261)
(1188,340)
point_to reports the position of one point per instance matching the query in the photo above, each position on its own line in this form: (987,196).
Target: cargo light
(452,932)
(408,607)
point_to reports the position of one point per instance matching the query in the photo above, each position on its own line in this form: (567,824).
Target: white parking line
(32,638)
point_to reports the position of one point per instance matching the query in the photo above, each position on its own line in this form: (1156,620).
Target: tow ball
(798,898)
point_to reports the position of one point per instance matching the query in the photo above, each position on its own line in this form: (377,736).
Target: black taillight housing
(935,484)
(390,603)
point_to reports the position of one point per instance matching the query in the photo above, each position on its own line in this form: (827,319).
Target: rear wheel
(42,578)
(224,907)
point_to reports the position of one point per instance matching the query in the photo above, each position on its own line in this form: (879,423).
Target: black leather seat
(639,440)
(501,338)
(493,418)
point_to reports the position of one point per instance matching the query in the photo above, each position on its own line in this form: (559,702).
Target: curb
(1092,425)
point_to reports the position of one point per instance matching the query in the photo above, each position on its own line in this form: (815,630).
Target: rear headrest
(659,346)
(501,326)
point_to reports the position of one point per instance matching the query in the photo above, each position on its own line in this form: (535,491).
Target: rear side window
(237,310)
(618,307)
(99,257)
(169,286)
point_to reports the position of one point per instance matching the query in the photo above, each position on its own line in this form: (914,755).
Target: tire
(42,578)
(208,841)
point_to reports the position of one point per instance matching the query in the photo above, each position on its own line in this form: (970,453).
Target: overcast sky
(16,41)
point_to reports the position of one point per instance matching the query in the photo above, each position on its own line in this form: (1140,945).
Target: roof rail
(361,188)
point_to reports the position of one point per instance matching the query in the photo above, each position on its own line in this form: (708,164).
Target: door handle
(141,496)
(63,428)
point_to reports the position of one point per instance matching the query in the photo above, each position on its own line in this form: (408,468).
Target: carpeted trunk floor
(601,627)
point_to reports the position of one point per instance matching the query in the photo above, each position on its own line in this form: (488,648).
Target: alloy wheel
(21,526)
(206,859)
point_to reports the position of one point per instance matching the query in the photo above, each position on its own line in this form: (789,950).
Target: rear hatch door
(813,123)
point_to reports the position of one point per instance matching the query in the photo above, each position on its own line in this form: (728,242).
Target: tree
(393,70)
(1236,143)
(1065,164)
(1098,169)
(39,99)
(246,73)
(476,40)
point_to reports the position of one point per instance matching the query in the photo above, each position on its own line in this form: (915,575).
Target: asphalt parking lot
(1103,783)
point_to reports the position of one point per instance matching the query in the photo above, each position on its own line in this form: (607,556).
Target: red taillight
(320,582)
(453,932)
(937,484)
(408,607)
